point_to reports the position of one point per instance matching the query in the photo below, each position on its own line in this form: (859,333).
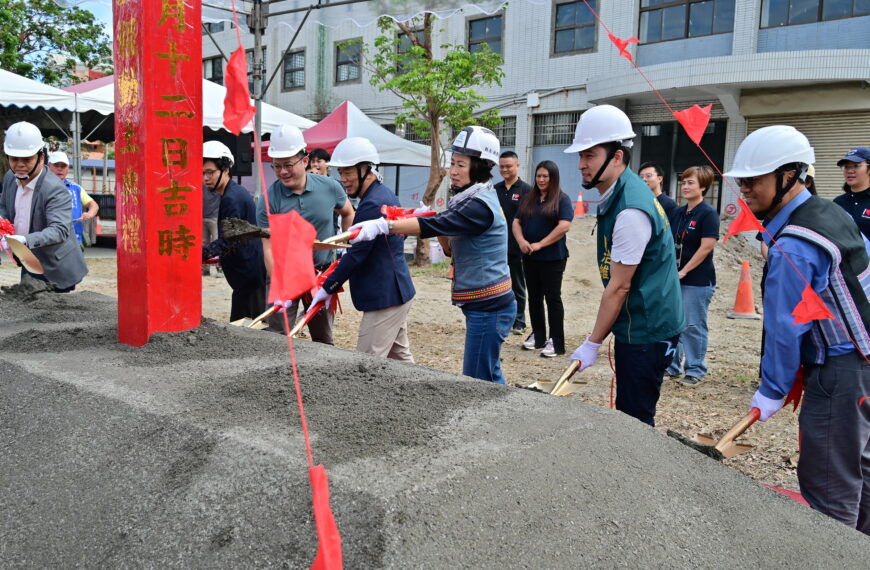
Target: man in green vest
(641,304)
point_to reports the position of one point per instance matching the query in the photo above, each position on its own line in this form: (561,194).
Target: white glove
(587,354)
(767,406)
(3,243)
(422,209)
(22,239)
(370,229)
(322,295)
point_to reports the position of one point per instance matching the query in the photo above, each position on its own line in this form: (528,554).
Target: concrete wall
(851,33)
(679,50)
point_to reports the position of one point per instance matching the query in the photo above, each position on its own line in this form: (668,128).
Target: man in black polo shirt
(510,191)
(856,196)
(653,175)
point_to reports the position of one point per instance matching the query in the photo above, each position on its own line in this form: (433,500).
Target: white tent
(102,96)
(18,91)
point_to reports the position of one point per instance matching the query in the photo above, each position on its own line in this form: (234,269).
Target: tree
(434,91)
(42,40)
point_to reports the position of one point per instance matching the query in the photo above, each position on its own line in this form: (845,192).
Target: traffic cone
(99,227)
(744,304)
(579,208)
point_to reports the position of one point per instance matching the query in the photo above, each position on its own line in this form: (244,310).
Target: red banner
(158,164)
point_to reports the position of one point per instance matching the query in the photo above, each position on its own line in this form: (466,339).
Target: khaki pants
(384,333)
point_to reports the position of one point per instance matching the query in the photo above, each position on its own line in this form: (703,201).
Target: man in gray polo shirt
(317,199)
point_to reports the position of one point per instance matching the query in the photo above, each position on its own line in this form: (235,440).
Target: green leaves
(43,41)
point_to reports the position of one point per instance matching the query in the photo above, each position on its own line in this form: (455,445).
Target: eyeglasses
(209,173)
(852,166)
(747,182)
(288,166)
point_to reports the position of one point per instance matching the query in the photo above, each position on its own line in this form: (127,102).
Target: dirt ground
(437,334)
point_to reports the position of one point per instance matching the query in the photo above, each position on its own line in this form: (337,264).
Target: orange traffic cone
(744,304)
(579,208)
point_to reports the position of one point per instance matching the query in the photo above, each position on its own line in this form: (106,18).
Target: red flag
(622,45)
(810,308)
(329,548)
(238,110)
(744,222)
(292,250)
(694,120)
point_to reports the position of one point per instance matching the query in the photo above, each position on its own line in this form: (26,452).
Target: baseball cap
(58,156)
(856,154)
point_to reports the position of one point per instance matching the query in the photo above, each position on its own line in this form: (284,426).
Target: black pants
(518,283)
(544,282)
(639,372)
(250,303)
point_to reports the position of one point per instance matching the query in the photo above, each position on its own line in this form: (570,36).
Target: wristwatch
(390,225)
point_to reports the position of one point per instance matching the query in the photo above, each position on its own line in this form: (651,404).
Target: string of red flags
(238,110)
(744,222)
(694,120)
(810,308)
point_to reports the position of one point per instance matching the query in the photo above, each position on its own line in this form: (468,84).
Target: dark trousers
(518,282)
(247,303)
(834,466)
(544,282)
(639,372)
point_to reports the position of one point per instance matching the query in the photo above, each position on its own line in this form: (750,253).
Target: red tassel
(810,308)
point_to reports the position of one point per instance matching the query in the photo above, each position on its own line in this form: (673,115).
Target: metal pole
(77,147)
(259,23)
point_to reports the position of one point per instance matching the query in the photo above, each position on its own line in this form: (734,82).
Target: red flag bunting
(238,110)
(622,45)
(744,222)
(292,250)
(329,548)
(810,308)
(695,120)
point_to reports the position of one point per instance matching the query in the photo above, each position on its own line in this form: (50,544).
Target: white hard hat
(354,150)
(286,141)
(217,149)
(768,148)
(477,141)
(599,125)
(22,140)
(58,157)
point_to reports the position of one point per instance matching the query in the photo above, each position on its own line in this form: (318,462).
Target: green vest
(653,310)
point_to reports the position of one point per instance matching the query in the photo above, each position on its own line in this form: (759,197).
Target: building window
(555,128)
(249,55)
(213,69)
(294,70)
(404,46)
(574,27)
(347,61)
(506,131)
(485,31)
(215,27)
(790,12)
(663,20)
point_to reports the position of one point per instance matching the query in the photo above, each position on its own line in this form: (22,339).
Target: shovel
(564,385)
(341,238)
(235,228)
(25,256)
(256,323)
(309,314)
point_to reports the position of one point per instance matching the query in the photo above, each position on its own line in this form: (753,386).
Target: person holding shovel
(242,260)
(380,282)
(814,248)
(478,243)
(317,199)
(39,206)
(641,303)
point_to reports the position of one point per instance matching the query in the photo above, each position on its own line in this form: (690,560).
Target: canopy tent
(348,121)
(100,93)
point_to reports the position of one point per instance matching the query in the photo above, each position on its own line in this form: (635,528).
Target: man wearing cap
(317,199)
(856,198)
(818,248)
(380,282)
(641,304)
(40,208)
(83,206)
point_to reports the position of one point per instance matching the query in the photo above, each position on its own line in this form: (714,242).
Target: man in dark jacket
(39,206)
(510,191)
(242,260)
(380,283)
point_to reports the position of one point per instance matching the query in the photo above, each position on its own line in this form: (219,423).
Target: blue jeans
(693,341)
(485,332)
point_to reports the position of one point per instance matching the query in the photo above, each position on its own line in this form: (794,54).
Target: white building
(759,62)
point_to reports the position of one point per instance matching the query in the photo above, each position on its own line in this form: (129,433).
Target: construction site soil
(187,452)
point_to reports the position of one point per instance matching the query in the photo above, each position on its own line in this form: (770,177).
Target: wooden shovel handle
(342,237)
(309,314)
(739,428)
(266,314)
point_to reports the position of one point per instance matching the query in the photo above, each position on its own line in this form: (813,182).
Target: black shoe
(691,380)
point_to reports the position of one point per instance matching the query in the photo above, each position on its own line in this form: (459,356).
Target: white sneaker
(549,351)
(529,343)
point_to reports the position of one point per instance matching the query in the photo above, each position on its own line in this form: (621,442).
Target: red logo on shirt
(866,214)
(515,197)
(693,223)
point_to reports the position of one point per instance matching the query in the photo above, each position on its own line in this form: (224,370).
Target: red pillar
(158,165)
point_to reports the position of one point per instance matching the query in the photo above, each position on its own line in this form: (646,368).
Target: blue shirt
(316,204)
(782,292)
